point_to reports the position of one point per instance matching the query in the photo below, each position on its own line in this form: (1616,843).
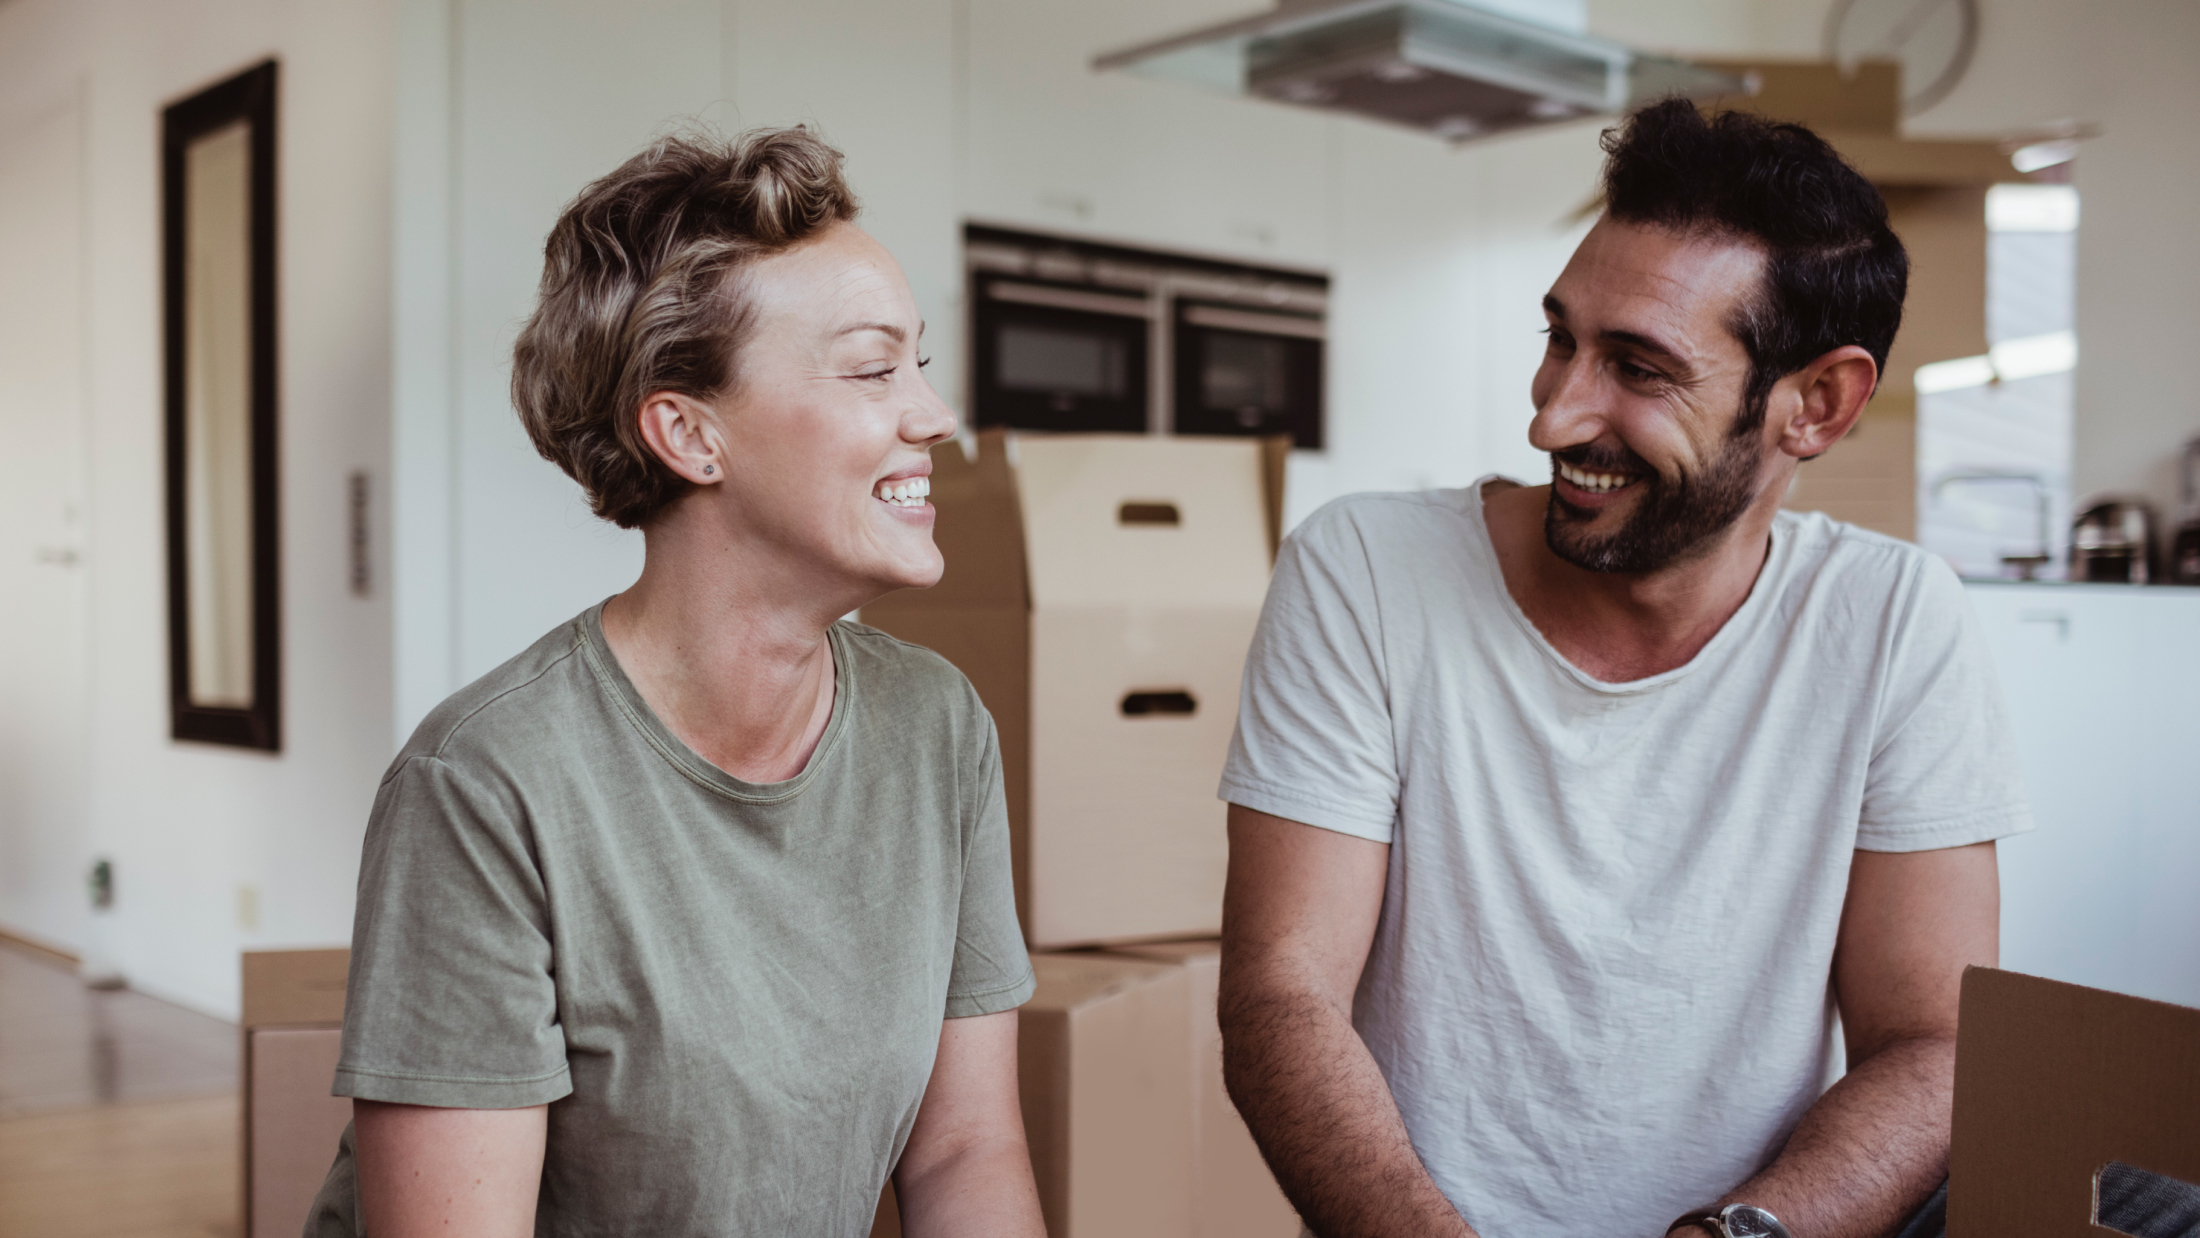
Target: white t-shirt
(1600,987)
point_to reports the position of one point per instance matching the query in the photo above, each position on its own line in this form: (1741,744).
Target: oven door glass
(1048,368)
(1239,373)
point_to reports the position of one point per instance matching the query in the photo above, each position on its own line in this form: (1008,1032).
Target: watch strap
(1708,1217)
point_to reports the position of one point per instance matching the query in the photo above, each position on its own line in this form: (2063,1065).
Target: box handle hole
(1149,513)
(2134,1201)
(1173,701)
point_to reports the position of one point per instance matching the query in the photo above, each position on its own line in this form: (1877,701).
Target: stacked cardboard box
(1233,1194)
(1100,594)
(1120,1066)
(293,1029)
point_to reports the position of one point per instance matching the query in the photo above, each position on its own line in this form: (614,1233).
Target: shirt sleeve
(451,1000)
(1943,767)
(991,971)
(1314,738)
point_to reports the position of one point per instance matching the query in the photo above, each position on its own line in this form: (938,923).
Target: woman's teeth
(1596,483)
(909,492)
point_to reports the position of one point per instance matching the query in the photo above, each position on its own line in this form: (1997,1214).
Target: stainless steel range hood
(1443,66)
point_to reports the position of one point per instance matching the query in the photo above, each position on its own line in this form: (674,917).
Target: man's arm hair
(1876,1144)
(1298,918)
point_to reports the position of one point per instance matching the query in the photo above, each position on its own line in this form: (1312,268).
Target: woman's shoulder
(894,666)
(529,692)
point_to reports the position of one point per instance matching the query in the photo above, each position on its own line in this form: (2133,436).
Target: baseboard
(44,950)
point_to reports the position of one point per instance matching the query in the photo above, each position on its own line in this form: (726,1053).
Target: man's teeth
(906,493)
(1595,482)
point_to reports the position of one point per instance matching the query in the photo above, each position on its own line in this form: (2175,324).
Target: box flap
(2054,1082)
(1127,520)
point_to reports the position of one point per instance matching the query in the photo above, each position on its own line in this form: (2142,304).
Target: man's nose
(1573,410)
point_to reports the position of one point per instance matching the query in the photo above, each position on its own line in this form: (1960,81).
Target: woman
(695,918)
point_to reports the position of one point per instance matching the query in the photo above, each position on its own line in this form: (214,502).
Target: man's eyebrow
(1645,343)
(1632,339)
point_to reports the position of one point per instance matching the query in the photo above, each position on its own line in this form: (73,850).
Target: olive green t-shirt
(728,993)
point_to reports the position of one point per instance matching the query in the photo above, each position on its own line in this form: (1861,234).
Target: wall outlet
(248,908)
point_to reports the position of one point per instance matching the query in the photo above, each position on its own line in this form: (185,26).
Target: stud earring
(709,469)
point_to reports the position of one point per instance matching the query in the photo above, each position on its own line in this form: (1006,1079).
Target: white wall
(187,825)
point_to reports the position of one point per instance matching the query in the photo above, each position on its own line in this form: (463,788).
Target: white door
(44,680)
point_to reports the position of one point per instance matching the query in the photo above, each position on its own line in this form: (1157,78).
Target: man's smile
(1594,483)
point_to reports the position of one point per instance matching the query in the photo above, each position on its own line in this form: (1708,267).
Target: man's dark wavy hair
(1835,273)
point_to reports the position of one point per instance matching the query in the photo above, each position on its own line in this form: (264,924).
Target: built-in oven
(1073,335)
(1250,372)
(1050,357)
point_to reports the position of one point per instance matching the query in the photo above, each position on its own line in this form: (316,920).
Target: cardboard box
(1105,1070)
(2056,1083)
(1233,1194)
(292,1029)
(1120,1064)
(1100,594)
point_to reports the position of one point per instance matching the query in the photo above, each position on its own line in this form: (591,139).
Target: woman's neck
(724,652)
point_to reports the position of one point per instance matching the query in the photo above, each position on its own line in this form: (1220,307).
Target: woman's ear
(1834,389)
(681,431)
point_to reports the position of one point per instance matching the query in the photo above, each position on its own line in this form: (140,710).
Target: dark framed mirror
(218,309)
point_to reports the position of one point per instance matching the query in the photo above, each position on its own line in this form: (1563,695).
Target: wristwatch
(1735,1221)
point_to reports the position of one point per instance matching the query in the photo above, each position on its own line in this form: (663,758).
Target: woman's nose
(928,419)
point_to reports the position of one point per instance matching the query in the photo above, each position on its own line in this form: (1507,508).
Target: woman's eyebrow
(893,330)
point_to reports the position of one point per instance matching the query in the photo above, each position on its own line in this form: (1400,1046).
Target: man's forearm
(1870,1151)
(1326,1122)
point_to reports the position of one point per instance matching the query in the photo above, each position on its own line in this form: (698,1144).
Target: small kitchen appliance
(2113,542)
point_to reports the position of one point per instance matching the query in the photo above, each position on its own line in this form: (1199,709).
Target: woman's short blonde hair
(641,293)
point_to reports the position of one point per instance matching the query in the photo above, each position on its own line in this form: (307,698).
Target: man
(1565,819)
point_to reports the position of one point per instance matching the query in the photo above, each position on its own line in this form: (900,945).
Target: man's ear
(1833,390)
(681,431)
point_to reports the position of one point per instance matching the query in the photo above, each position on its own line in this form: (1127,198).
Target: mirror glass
(217,415)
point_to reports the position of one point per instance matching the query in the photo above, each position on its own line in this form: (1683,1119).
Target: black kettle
(2184,547)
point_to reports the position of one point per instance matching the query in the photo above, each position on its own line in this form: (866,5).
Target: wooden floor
(118,1113)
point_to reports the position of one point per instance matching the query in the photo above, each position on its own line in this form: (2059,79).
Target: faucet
(2027,565)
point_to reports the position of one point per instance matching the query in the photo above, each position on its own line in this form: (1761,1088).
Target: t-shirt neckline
(612,676)
(1485,552)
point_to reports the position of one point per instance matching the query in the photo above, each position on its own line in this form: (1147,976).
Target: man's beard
(1672,521)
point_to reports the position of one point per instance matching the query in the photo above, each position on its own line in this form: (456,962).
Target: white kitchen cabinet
(2103,683)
